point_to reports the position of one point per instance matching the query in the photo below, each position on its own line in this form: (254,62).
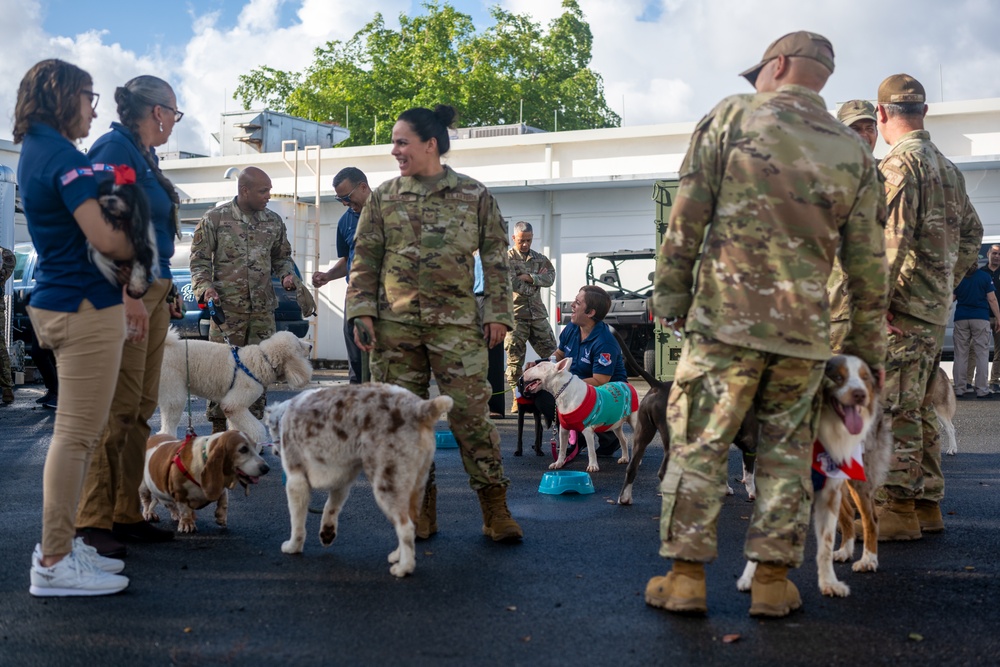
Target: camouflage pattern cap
(855,110)
(801,44)
(900,89)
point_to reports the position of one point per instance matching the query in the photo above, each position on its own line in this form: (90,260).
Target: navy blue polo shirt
(970,295)
(347,228)
(600,354)
(55,179)
(118,147)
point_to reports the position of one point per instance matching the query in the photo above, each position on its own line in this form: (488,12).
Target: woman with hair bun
(74,311)
(411,299)
(110,513)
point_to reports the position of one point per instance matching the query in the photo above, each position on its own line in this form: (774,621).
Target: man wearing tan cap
(932,237)
(859,115)
(780,187)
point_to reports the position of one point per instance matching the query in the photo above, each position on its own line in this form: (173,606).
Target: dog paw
(743,583)
(151,516)
(538,451)
(593,468)
(729,490)
(842,555)
(558,464)
(327,535)
(835,589)
(623,459)
(400,570)
(517,452)
(394,556)
(625,498)
(292,547)
(867,563)
(187,527)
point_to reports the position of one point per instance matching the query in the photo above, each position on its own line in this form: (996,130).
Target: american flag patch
(71,176)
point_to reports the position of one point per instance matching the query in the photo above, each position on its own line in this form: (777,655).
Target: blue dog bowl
(566,481)
(446,440)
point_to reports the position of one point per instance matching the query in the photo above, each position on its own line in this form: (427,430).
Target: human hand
(896,331)
(494,333)
(136,319)
(211,295)
(525,277)
(320,278)
(288,282)
(364,333)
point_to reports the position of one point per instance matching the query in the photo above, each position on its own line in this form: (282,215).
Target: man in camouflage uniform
(6,380)
(932,237)
(530,271)
(235,249)
(859,115)
(780,187)
(411,284)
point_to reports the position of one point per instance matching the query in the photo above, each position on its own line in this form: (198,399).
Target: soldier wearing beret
(235,249)
(932,237)
(411,291)
(776,187)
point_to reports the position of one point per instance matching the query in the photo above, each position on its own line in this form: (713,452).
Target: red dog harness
(180,464)
(602,407)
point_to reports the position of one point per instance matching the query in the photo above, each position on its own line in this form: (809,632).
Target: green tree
(439,57)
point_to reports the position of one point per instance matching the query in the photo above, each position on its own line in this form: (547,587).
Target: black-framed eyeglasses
(177,114)
(93,97)
(346,199)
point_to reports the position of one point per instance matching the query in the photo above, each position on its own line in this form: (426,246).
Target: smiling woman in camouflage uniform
(411,286)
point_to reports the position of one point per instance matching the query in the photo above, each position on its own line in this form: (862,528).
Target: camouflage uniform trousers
(6,378)
(715,385)
(838,332)
(243,329)
(538,333)
(406,354)
(915,471)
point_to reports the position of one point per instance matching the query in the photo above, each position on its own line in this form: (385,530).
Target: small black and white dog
(126,208)
(542,405)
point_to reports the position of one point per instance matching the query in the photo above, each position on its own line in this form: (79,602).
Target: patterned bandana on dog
(824,467)
(602,407)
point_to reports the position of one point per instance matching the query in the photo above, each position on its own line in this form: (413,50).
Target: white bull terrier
(582,407)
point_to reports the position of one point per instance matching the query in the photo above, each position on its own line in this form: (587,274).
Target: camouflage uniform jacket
(933,234)
(413,258)
(236,253)
(528,303)
(774,187)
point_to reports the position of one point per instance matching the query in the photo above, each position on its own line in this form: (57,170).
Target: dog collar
(180,464)
(563,388)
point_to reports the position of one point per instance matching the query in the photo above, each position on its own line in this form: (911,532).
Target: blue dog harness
(240,366)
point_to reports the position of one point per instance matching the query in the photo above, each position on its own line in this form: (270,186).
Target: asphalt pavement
(570,594)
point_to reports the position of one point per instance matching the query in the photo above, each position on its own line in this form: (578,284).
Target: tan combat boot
(929,516)
(898,522)
(771,593)
(682,590)
(498,524)
(427,523)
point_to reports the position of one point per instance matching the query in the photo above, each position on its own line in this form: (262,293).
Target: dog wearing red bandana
(125,207)
(583,407)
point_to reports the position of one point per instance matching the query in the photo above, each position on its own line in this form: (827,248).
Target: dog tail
(432,410)
(635,367)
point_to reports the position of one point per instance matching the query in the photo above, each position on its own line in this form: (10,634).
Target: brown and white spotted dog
(327,436)
(186,475)
(852,430)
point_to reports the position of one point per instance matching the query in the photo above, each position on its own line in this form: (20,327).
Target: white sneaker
(86,552)
(73,575)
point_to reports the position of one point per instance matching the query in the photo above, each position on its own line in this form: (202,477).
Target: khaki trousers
(111,491)
(88,350)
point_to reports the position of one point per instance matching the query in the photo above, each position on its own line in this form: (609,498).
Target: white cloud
(672,68)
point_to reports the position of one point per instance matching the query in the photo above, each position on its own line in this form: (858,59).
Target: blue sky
(662,61)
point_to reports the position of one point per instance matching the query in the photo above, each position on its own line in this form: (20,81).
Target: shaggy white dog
(215,375)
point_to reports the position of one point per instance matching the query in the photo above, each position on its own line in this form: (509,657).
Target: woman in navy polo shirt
(74,310)
(597,356)
(109,511)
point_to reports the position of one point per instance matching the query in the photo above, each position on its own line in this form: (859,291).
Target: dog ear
(220,463)
(297,372)
(564,364)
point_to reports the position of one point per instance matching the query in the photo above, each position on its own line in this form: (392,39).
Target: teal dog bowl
(566,481)
(446,440)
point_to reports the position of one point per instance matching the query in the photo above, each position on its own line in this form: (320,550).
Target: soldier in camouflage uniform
(859,115)
(530,271)
(780,187)
(236,248)
(411,286)
(6,380)
(932,237)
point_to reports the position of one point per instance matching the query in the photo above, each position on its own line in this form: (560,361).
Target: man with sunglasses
(351,186)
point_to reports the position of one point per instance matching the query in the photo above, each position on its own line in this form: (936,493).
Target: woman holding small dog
(75,311)
(411,299)
(110,512)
